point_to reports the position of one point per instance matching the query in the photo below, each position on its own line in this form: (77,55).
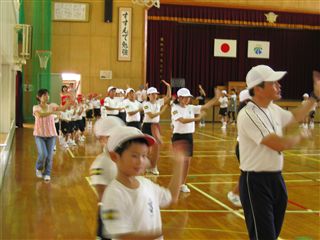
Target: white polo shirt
(126,210)
(132,106)
(113,103)
(254,124)
(183,112)
(149,107)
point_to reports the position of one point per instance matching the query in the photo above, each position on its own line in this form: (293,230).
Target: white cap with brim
(130,90)
(152,90)
(119,90)
(111,88)
(224,91)
(262,73)
(184,92)
(104,126)
(244,95)
(306,95)
(122,134)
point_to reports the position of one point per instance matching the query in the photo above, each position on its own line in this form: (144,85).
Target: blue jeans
(45,147)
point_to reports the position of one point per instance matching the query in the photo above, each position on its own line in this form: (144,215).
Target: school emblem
(175,112)
(96,171)
(110,214)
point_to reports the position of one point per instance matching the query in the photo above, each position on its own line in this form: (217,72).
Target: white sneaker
(38,173)
(184,188)
(47,178)
(234,199)
(55,148)
(154,171)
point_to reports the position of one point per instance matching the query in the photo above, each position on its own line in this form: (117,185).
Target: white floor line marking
(216,201)
(70,152)
(210,136)
(219,203)
(93,189)
(219,156)
(309,211)
(208,229)
(230,182)
(302,155)
(230,174)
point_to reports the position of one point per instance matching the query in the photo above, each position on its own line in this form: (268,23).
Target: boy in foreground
(103,170)
(131,203)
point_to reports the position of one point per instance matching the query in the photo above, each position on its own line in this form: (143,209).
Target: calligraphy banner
(124,44)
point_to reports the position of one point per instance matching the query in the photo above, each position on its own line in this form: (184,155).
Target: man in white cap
(263,191)
(111,103)
(103,170)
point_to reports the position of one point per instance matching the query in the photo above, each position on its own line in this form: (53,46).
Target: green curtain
(41,40)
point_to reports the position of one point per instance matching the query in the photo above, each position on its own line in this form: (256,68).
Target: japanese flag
(225,48)
(258,49)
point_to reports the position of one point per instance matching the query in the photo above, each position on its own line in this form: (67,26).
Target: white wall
(8,48)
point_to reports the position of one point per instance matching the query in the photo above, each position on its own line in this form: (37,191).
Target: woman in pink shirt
(45,132)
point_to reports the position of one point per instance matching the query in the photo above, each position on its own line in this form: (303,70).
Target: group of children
(129,153)
(129,204)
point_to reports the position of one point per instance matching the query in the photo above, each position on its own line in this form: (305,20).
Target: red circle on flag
(225,47)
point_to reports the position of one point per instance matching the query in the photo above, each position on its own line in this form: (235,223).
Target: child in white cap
(133,109)
(153,108)
(183,119)
(111,103)
(131,203)
(103,170)
(223,111)
(120,99)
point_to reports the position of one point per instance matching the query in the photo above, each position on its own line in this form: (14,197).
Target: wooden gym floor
(65,208)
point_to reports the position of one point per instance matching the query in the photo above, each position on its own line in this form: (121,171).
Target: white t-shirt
(90,104)
(113,103)
(126,210)
(149,107)
(96,103)
(131,106)
(254,124)
(103,170)
(223,102)
(67,115)
(183,112)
